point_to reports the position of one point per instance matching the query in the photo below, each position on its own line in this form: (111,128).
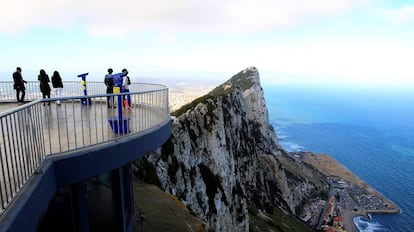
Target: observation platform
(47,149)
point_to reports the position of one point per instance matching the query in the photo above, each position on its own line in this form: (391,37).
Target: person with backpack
(125,88)
(109,82)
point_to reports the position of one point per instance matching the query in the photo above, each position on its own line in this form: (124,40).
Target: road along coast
(353,196)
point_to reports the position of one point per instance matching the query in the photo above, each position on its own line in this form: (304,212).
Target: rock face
(223,156)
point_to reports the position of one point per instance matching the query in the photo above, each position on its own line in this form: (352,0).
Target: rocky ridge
(223,159)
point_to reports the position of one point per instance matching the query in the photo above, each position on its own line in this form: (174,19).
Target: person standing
(125,88)
(109,82)
(19,84)
(44,84)
(57,85)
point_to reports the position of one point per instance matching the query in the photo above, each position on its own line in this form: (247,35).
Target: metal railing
(34,131)
(70,88)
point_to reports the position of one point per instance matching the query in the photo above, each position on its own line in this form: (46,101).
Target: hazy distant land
(185,92)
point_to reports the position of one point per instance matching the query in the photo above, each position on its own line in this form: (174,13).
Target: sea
(370,130)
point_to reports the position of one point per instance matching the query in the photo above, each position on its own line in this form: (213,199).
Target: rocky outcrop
(223,156)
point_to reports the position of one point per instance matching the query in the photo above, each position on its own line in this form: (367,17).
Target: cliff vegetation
(224,162)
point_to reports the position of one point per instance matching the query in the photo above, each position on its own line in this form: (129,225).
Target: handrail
(34,131)
(70,88)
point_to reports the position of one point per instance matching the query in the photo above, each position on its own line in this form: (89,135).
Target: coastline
(348,217)
(330,167)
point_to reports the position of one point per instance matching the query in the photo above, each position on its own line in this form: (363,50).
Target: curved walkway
(31,132)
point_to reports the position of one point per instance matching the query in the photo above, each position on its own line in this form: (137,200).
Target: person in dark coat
(44,84)
(109,82)
(57,85)
(19,84)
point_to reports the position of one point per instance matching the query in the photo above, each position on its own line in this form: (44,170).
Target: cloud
(364,61)
(22,15)
(125,16)
(367,60)
(400,16)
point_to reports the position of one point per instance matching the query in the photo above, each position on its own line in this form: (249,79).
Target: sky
(341,42)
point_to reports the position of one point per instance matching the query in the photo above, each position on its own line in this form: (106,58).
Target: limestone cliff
(223,157)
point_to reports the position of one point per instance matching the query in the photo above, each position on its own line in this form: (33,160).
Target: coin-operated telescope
(84,101)
(118,80)
(119,124)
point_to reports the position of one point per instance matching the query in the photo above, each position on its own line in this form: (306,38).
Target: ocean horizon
(368,130)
